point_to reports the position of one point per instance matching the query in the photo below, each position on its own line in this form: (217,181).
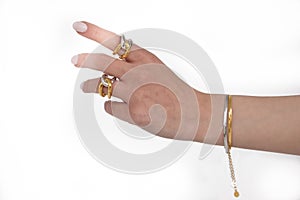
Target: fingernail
(80,27)
(74,60)
(81,85)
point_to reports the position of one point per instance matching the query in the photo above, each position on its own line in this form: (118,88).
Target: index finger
(106,38)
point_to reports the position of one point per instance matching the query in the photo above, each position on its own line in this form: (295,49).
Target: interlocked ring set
(123,50)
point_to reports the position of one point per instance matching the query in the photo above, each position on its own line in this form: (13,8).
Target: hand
(153,97)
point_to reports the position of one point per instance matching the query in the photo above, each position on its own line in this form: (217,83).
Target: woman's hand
(153,97)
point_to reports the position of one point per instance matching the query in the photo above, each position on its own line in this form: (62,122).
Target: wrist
(204,103)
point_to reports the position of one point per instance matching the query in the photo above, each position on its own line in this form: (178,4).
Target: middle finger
(102,62)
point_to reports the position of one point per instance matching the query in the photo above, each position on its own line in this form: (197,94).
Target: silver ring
(103,77)
(123,42)
(125,46)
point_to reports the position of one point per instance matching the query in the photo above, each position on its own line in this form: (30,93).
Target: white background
(255,46)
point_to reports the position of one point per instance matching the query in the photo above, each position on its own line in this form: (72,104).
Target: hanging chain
(236,193)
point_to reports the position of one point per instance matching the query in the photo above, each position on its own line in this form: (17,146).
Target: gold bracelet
(229,138)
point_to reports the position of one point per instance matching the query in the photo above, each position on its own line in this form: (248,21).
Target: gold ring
(127,49)
(109,88)
(123,48)
(117,49)
(100,90)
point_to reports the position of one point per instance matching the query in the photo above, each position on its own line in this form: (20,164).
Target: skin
(259,123)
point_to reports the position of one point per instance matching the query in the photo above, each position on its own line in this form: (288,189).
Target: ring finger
(92,86)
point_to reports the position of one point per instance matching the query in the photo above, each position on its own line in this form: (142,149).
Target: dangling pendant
(236,193)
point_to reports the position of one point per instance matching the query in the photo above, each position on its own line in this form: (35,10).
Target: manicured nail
(82,85)
(74,60)
(80,27)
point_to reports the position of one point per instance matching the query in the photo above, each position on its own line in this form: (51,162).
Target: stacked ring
(106,82)
(123,50)
(104,77)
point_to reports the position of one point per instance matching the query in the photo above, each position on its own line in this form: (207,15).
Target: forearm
(260,123)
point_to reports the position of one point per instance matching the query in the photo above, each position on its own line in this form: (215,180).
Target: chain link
(236,193)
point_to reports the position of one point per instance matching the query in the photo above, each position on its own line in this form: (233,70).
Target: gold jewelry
(229,141)
(104,76)
(127,49)
(109,88)
(117,49)
(108,82)
(229,138)
(100,90)
(123,48)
